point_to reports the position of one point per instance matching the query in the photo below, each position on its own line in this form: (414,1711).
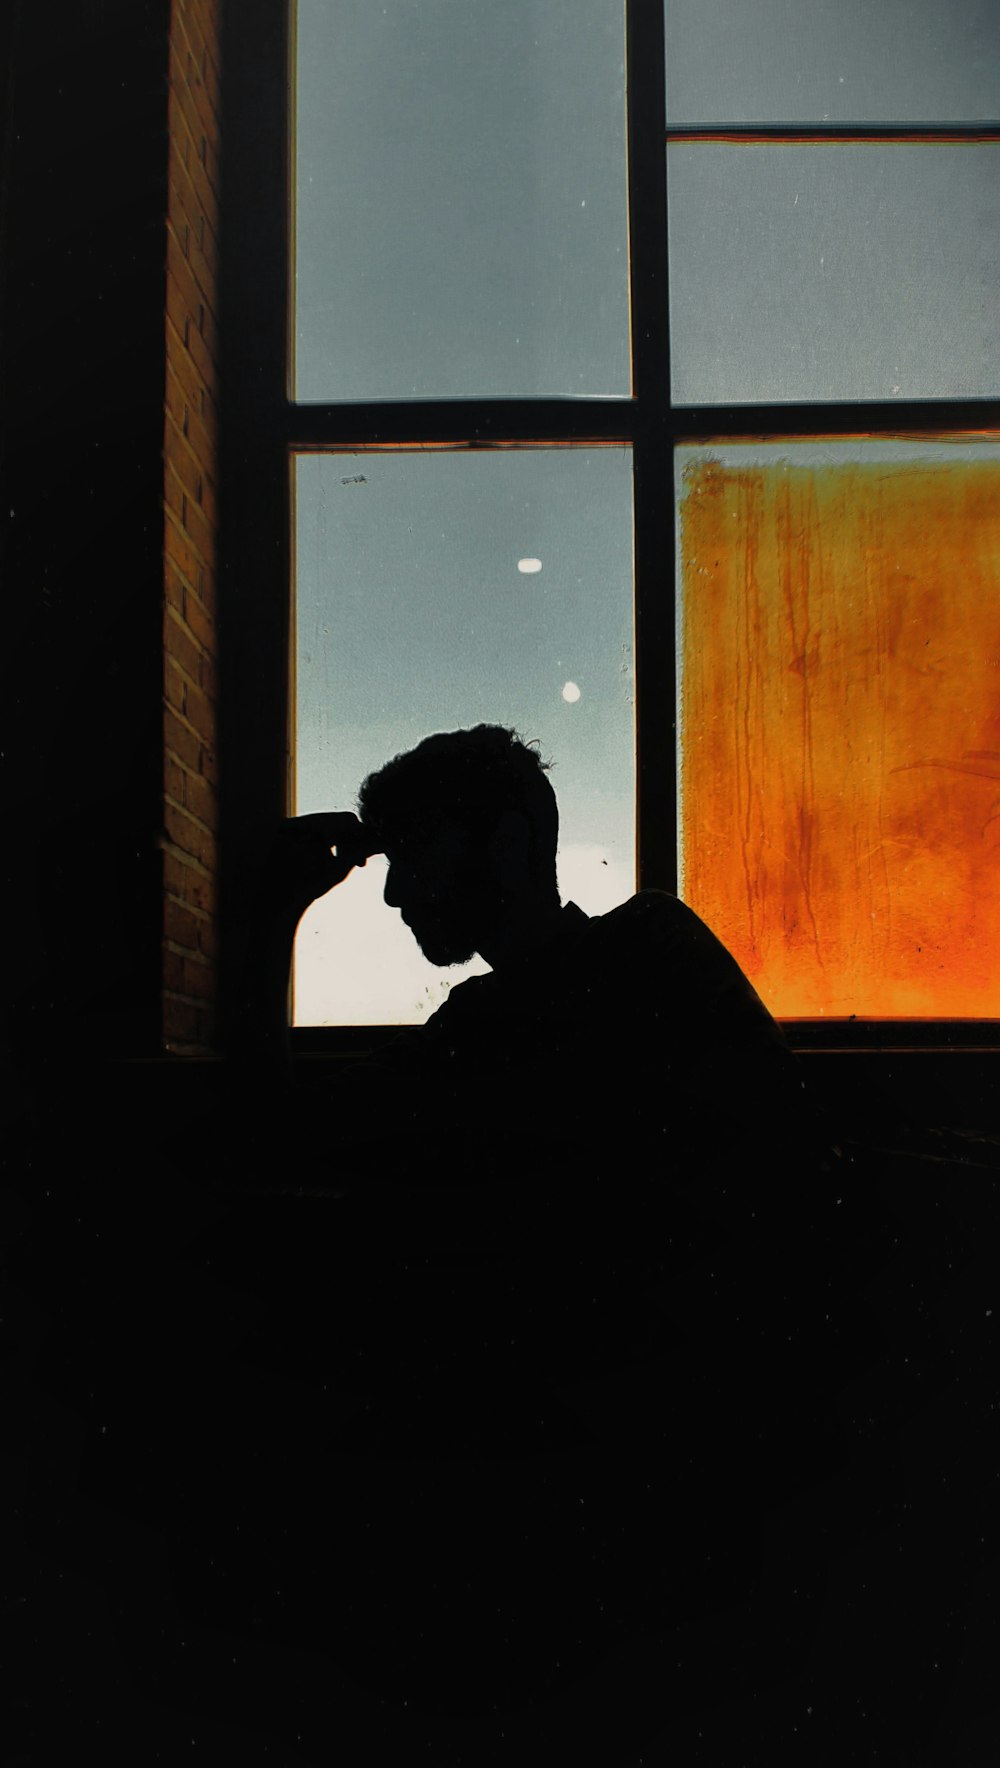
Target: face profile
(442,887)
(469,825)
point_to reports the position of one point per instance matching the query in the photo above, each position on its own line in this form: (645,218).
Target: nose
(398,884)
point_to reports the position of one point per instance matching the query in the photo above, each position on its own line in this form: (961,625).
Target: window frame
(262,428)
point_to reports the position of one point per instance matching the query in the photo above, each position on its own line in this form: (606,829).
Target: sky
(462,208)
(833,61)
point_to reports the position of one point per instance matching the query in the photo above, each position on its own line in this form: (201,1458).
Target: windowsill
(893,1035)
(892,1093)
(871,1036)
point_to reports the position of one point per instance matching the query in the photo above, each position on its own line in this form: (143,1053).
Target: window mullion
(656,737)
(471,422)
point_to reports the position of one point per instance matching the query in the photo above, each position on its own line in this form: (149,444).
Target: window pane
(461,217)
(834,272)
(440,589)
(839,708)
(832,61)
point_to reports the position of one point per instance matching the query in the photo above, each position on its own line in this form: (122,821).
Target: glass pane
(436,590)
(839,705)
(832,61)
(834,272)
(461,219)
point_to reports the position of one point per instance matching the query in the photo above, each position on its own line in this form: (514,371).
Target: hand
(312,854)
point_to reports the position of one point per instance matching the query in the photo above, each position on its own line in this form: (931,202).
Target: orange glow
(840,770)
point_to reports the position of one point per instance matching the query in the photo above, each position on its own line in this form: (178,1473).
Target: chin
(443,952)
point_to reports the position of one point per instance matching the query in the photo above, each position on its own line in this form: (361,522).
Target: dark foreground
(387,1478)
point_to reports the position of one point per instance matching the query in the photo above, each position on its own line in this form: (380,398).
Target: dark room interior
(187,1495)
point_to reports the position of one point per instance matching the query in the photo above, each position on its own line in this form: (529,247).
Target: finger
(330,826)
(336,830)
(346,832)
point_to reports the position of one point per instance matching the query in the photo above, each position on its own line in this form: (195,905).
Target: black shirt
(630,1035)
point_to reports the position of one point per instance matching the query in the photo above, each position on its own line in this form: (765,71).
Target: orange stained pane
(840,727)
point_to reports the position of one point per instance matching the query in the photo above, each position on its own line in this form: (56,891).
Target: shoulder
(667,944)
(654,917)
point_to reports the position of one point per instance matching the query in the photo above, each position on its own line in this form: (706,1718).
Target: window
(780,421)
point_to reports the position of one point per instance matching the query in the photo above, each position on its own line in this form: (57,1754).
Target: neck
(525,928)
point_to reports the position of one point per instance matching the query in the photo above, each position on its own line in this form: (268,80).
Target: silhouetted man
(571,1257)
(596,1039)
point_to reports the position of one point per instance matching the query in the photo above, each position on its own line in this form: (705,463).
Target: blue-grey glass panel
(437,590)
(832,61)
(461,214)
(839,271)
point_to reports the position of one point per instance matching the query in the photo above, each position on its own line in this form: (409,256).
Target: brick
(193,473)
(192,71)
(199,979)
(184,406)
(199,391)
(182,925)
(195,478)
(188,608)
(181,740)
(197,145)
(192,214)
(192,519)
(174,779)
(192,192)
(200,620)
(189,89)
(191,882)
(180,409)
(173,972)
(182,647)
(209,764)
(188,469)
(208,940)
(185,563)
(201,22)
(179,827)
(202,800)
(175,687)
(173,582)
(197,29)
(208,678)
(201,713)
(190,837)
(187,254)
(199,299)
(185,324)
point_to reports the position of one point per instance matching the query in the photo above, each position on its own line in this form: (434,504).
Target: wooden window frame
(262,428)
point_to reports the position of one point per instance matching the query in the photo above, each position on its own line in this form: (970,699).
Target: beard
(443,945)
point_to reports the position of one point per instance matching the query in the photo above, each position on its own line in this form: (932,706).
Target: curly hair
(471,777)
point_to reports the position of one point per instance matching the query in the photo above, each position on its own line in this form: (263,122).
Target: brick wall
(190,479)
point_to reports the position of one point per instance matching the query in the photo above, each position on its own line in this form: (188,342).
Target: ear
(510,851)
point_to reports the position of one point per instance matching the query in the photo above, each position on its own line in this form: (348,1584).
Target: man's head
(469,823)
